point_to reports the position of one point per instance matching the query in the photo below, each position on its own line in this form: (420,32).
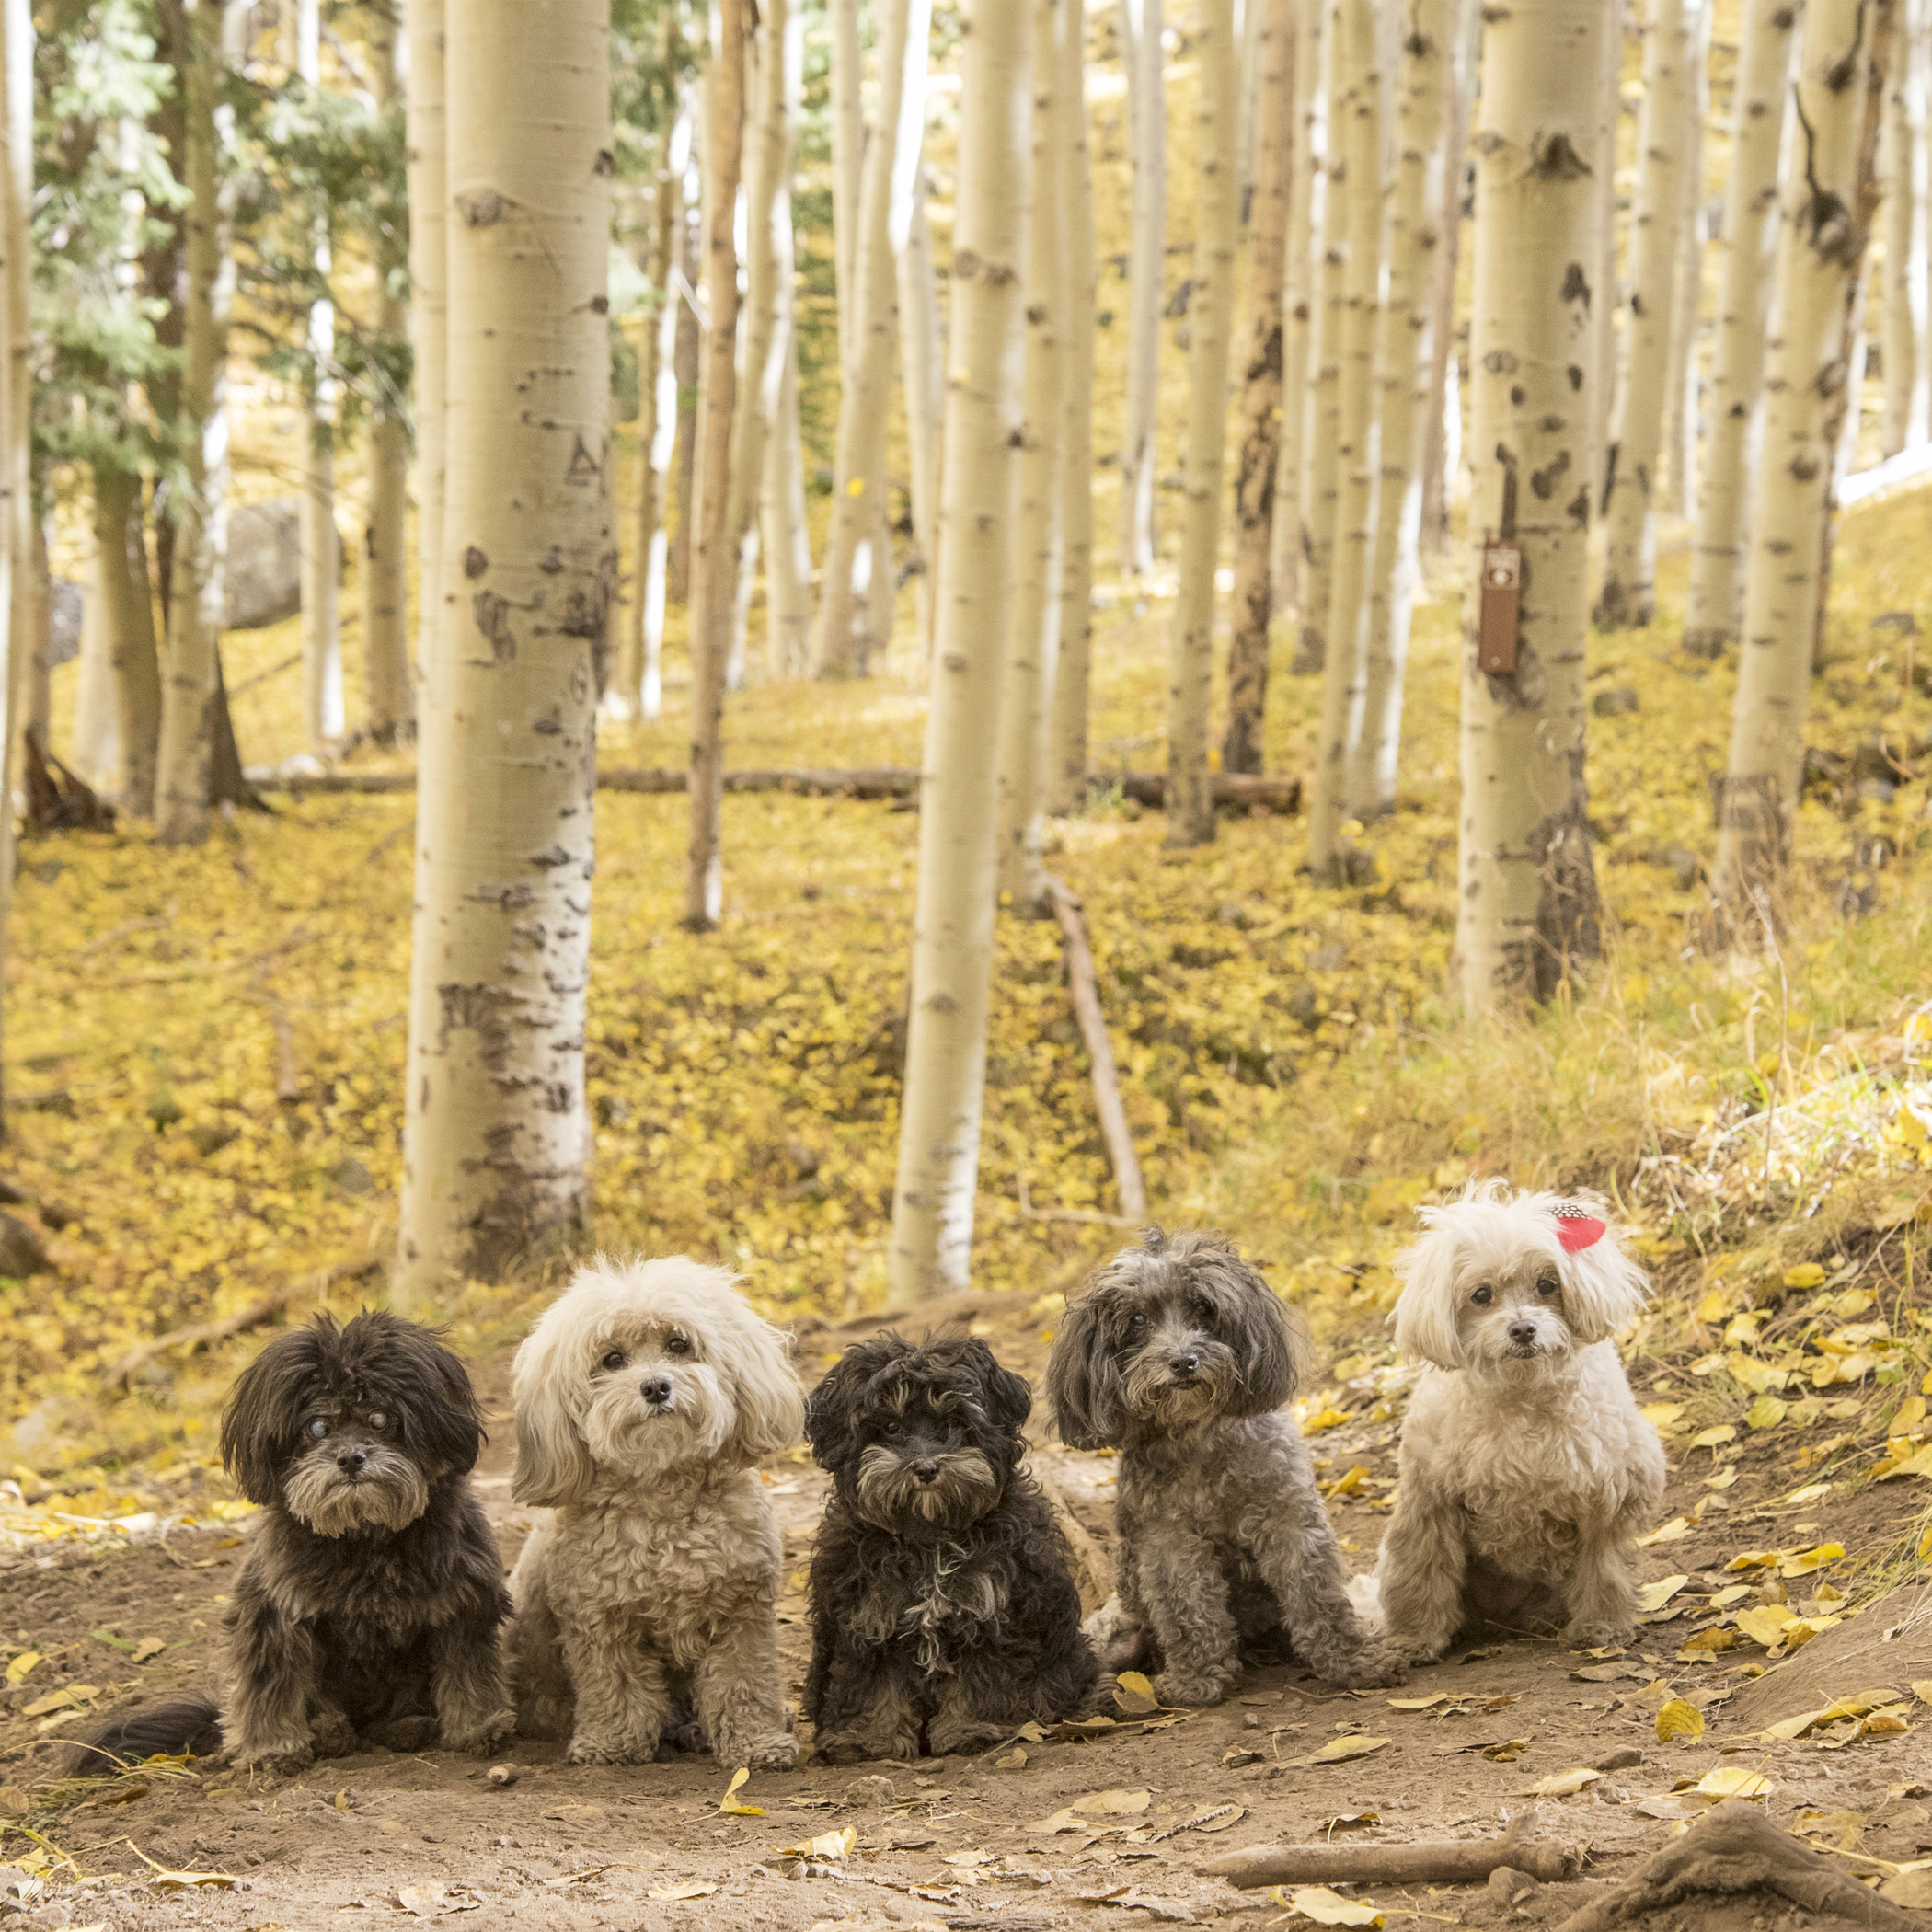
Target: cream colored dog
(644,1395)
(1526,1469)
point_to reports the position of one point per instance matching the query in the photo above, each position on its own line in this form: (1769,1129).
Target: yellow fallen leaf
(1765,1624)
(18,1667)
(1801,1631)
(1889,1722)
(14,1801)
(1723,1478)
(1338,1750)
(1752,1560)
(1347,1485)
(1327,1908)
(1918,1464)
(1418,1703)
(1731,1593)
(1674,1531)
(1717,1639)
(1661,1415)
(1922,1689)
(1802,1562)
(1786,1729)
(1135,1694)
(687,1891)
(1015,1760)
(149,1647)
(1810,1492)
(1734,1781)
(1113,1804)
(1710,1438)
(1564,1784)
(827,1844)
(1655,1596)
(1766,1412)
(1807,1274)
(1910,1416)
(71,1697)
(1679,1720)
(738,1778)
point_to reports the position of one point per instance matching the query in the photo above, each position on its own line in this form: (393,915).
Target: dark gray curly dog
(1180,1355)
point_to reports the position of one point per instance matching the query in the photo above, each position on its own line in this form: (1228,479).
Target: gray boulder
(264,564)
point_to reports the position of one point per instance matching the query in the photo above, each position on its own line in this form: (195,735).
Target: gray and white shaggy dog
(1526,1469)
(371,1603)
(1180,1355)
(644,1397)
(944,1609)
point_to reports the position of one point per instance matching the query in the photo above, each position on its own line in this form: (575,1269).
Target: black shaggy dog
(371,1599)
(943,1610)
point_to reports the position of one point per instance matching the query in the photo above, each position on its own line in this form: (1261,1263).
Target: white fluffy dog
(644,1395)
(1526,1469)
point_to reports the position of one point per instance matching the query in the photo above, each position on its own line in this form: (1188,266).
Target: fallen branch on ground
(1147,788)
(1455,1861)
(1085,993)
(1734,1847)
(202,1333)
(1093,1569)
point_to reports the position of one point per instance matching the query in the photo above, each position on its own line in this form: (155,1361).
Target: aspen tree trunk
(385,640)
(767,347)
(848,153)
(1527,902)
(96,724)
(1301,255)
(323,718)
(688,357)
(16,272)
(710,553)
(1259,463)
(36,701)
(1066,757)
(953,912)
(1908,265)
(1663,141)
(1321,420)
(190,692)
(855,554)
(1829,196)
(1437,485)
(1603,392)
(126,627)
(1682,393)
(1147,274)
(429,305)
(1033,633)
(496,1137)
(920,356)
(1404,359)
(1758,132)
(1190,657)
(1355,123)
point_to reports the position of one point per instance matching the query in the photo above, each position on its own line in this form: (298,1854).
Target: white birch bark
(1033,632)
(1441,409)
(323,718)
(1066,757)
(385,631)
(201,554)
(496,1138)
(855,553)
(96,723)
(1663,140)
(1527,903)
(1258,465)
(1300,263)
(1146,276)
(711,606)
(35,678)
(1827,194)
(1760,124)
(953,909)
(1189,800)
(123,617)
(1405,358)
(429,304)
(1683,387)
(920,356)
(17,41)
(1908,263)
(848,150)
(1356,124)
(1603,393)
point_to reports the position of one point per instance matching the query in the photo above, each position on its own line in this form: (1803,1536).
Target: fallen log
(1452,1861)
(1734,1847)
(1085,994)
(1148,788)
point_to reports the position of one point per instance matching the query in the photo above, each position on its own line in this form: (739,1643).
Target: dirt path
(956,1842)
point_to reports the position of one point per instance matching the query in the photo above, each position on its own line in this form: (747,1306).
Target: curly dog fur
(644,1397)
(943,1610)
(1526,1469)
(1179,1355)
(371,1600)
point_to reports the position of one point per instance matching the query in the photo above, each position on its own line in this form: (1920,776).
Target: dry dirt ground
(381,1837)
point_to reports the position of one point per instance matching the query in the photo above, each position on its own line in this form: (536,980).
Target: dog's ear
(1083,1382)
(261,1425)
(1603,1288)
(765,1394)
(1255,1322)
(1426,1327)
(1008,1399)
(443,1426)
(832,1410)
(549,1385)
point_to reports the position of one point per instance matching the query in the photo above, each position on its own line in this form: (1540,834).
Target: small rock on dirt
(1618,1760)
(867,1791)
(1510,1887)
(503,1775)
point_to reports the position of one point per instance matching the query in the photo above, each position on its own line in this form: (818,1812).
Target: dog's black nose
(657,1390)
(351,1461)
(1186,1364)
(1522,1332)
(925,1469)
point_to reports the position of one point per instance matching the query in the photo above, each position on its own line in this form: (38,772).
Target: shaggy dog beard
(1489,1347)
(388,1493)
(1172,1403)
(888,1494)
(633,1438)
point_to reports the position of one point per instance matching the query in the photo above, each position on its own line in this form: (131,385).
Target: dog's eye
(614,1360)
(678,1345)
(378,1420)
(1135,1323)
(318,1428)
(1483,1295)
(1548,1285)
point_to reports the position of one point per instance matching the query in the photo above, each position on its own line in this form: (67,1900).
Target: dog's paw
(771,1754)
(1181,1692)
(841,1747)
(1597,1635)
(278,1756)
(481,1737)
(1375,1667)
(607,1750)
(967,1740)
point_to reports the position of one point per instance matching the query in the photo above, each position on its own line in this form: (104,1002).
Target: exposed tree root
(1455,1861)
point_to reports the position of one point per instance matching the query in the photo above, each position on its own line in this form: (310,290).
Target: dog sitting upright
(1525,1468)
(1180,1355)
(370,1602)
(943,1610)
